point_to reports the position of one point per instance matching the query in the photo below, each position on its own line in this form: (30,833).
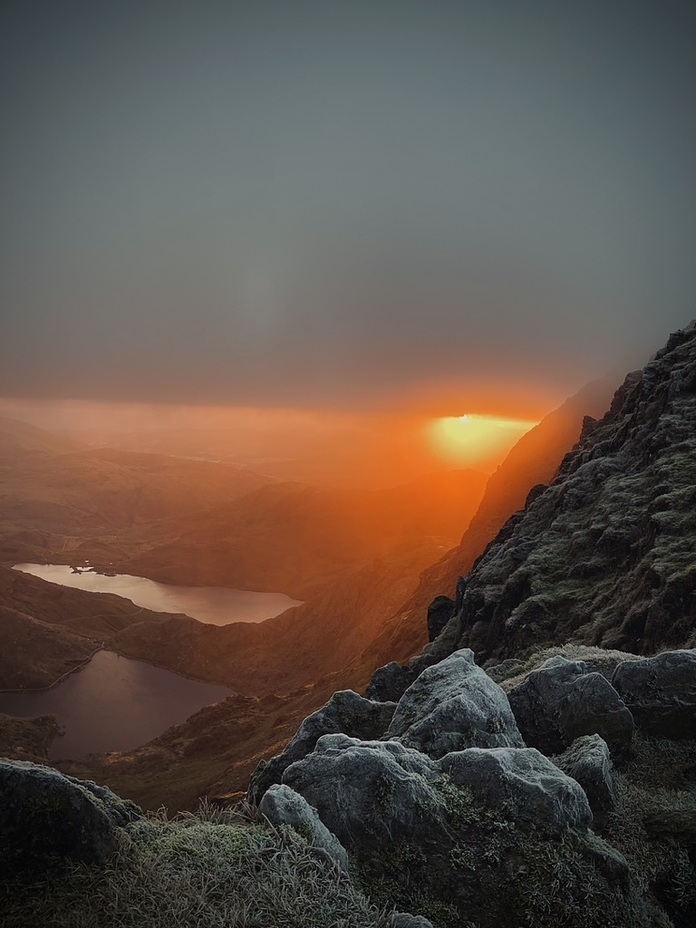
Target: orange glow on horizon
(470,438)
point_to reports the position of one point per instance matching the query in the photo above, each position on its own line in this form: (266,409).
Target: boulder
(440,611)
(660,691)
(390,682)
(522,785)
(454,705)
(588,761)
(369,793)
(345,712)
(283,806)
(561,701)
(46,817)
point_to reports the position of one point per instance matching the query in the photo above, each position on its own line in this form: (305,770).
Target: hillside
(533,461)
(297,538)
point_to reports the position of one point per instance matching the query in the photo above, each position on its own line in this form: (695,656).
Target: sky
(460,207)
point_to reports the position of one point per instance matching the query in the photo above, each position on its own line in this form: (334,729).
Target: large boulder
(661,693)
(561,701)
(522,785)
(368,793)
(46,817)
(454,705)
(345,712)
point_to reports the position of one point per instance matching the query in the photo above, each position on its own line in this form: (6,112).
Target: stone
(369,794)
(523,784)
(451,706)
(390,682)
(283,806)
(440,611)
(588,760)
(46,817)
(561,701)
(661,693)
(345,712)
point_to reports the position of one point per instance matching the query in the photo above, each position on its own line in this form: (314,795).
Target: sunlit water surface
(214,605)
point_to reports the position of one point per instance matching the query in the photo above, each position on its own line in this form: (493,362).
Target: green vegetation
(212,869)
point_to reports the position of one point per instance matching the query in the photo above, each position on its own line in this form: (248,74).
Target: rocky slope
(605,555)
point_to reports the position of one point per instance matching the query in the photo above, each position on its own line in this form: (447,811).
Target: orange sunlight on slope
(462,439)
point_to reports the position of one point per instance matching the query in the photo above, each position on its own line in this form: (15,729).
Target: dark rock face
(604,555)
(46,817)
(562,701)
(661,693)
(440,611)
(390,682)
(451,706)
(345,712)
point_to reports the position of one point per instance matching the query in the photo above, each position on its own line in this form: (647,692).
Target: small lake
(214,605)
(113,704)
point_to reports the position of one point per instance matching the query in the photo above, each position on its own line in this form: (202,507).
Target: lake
(113,704)
(213,605)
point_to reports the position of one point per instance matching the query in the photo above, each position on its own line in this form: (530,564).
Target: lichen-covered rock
(588,761)
(481,836)
(345,712)
(283,806)
(368,793)
(561,701)
(451,706)
(661,693)
(46,817)
(523,784)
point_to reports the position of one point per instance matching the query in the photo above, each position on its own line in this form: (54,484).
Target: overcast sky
(342,203)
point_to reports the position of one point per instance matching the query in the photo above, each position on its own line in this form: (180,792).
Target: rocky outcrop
(451,706)
(562,701)
(345,712)
(46,817)
(604,555)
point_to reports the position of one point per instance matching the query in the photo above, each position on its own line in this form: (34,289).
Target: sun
(471,439)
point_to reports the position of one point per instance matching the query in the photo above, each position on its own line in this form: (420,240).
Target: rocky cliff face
(605,554)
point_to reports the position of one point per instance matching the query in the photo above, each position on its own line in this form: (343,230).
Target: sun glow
(475,440)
